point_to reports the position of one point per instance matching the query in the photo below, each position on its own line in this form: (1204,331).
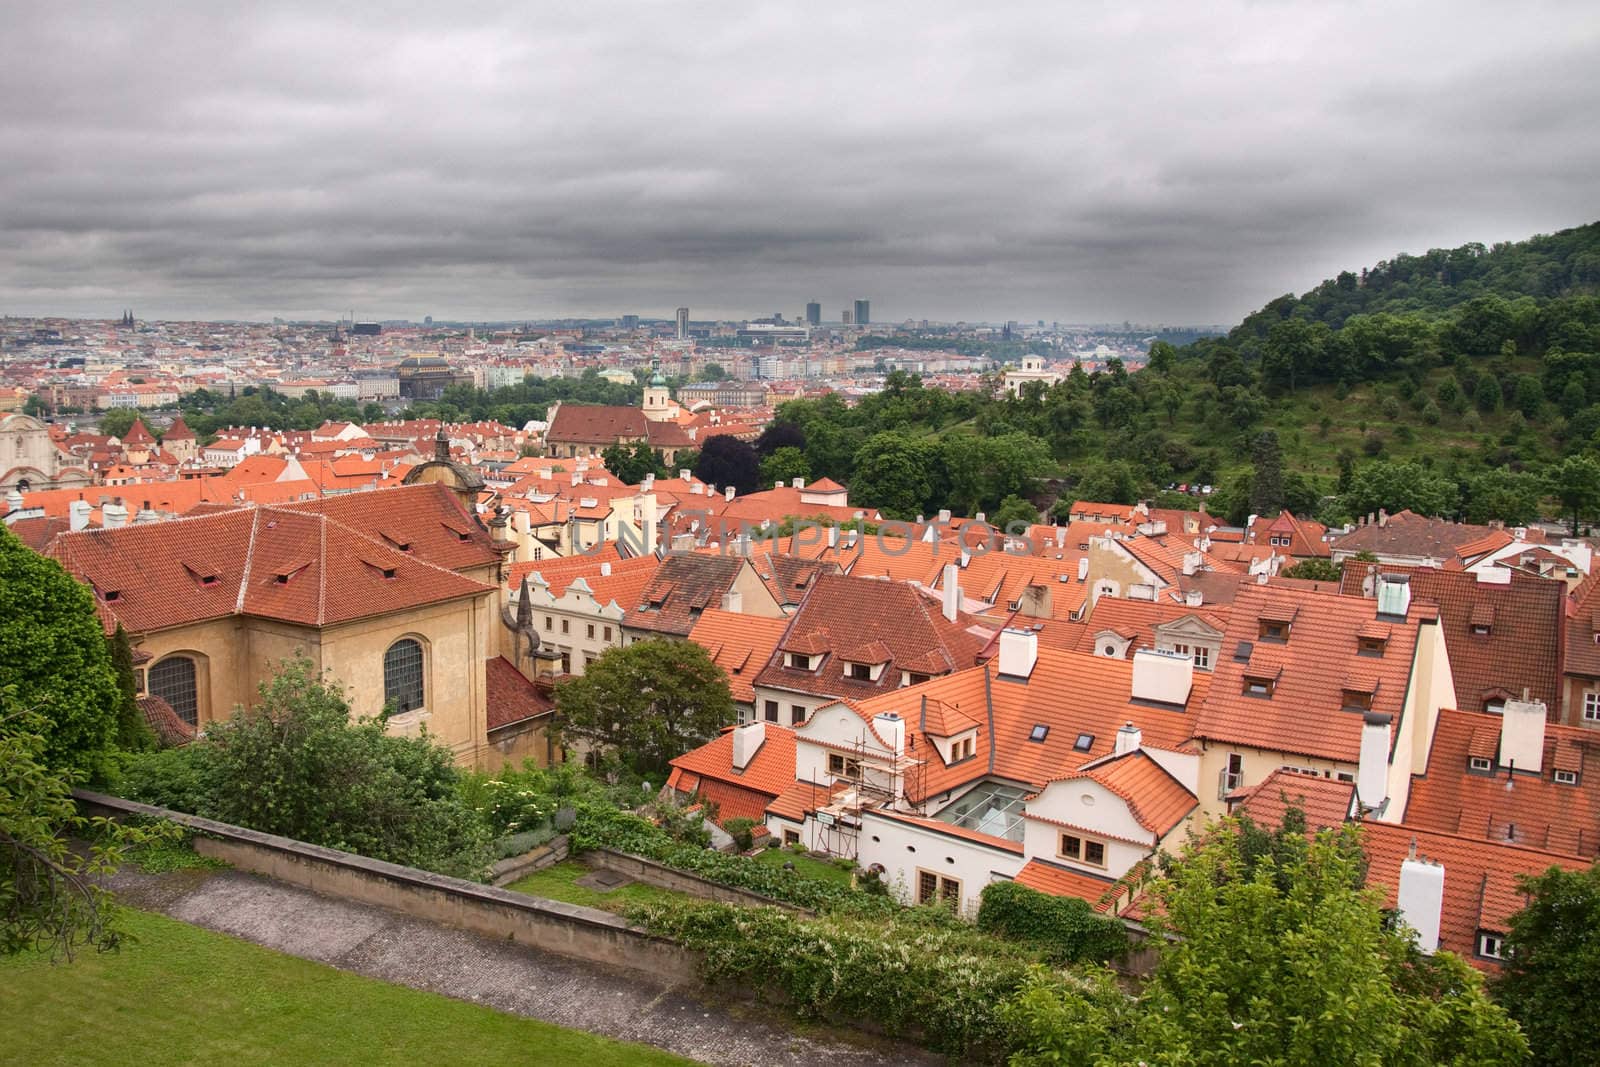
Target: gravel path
(515,978)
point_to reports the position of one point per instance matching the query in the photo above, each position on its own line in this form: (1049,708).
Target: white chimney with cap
(748,737)
(1372,772)
(733,600)
(13,501)
(1019,651)
(1129,739)
(1420,899)
(728,493)
(114,516)
(952,591)
(78,514)
(892,728)
(1162,677)
(1522,735)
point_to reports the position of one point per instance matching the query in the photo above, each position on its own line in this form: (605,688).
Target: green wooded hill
(1457,382)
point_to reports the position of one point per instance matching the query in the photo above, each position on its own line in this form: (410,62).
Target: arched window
(173,680)
(402,675)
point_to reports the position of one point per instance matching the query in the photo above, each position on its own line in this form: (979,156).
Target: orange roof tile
(740,644)
(1059,881)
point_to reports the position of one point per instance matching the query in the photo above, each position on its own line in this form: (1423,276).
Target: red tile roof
(740,644)
(1305,712)
(1525,617)
(1156,800)
(1539,811)
(273,562)
(512,697)
(738,792)
(842,613)
(1059,881)
(681,590)
(1479,878)
(1325,801)
(168,727)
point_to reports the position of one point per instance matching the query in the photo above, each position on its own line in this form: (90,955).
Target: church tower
(657,400)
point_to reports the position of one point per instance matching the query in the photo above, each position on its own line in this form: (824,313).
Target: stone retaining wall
(551,925)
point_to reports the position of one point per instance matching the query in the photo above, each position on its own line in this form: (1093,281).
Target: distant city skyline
(1172,163)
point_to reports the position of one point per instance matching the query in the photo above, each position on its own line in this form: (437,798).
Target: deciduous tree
(647,702)
(1553,965)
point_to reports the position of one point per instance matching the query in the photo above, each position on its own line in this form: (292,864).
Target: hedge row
(924,975)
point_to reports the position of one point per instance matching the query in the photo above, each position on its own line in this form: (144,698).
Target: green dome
(657,379)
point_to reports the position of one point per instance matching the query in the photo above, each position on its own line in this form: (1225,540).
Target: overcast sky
(1172,162)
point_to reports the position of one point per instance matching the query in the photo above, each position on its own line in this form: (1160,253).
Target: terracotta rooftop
(1304,713)
(1524,618)
(294,565)
(1325,801)
(1536,811)
(683,587)
(1157,801)
(512,697)
(739,644)
(1060,881)
(843,614)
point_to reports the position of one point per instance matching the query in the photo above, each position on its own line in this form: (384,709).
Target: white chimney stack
(733,600)
(1129,739)
(944,515)
(833,536)
(748,737)
(113,516)
(727,494)
(683,473)
(952,591)
(1019,651)
(798,483)
(892,728)
(1083,568)
(778,484)
(605,569)
(1372,773)
(78,514)
(1420,899)
(1522,735)
(1162,677)
(13,501)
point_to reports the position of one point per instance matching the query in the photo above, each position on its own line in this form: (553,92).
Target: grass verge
(183,995)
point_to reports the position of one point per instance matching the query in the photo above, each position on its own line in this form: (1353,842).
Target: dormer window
(1371,646)
(110,595)
(1481,622)
(1566,777)
(1259,687)
(1491,946)
(1357,700)
(1480,765)
(800,661)
(1274,630)
(859,672)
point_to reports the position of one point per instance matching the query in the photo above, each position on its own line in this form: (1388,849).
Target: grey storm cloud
(1162,162)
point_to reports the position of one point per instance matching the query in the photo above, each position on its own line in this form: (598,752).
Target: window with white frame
(1567,777)
(1491,945)
(1591,707)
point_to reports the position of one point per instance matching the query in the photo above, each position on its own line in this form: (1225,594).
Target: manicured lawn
(183,995)
(559,883)
(803,864)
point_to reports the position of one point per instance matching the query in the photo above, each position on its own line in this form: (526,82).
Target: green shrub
(1065,929)
(527,841)
(739,829)
(176,778)
(296,765)
(931,978)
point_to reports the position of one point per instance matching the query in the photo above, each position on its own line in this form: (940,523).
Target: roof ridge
(249,560)
(322,570)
